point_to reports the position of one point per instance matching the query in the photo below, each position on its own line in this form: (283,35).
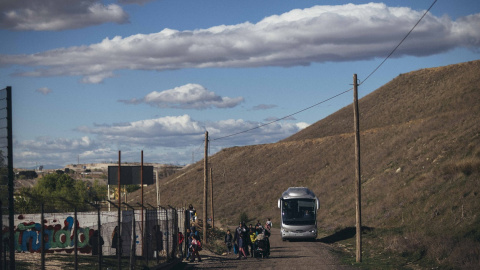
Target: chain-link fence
(6,177)
(145,241)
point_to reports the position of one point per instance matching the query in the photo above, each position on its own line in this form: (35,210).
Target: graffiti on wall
(57,236)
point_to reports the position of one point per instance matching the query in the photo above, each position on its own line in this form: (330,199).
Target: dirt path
(284,255)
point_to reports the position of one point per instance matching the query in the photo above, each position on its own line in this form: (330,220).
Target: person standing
(189,243)
(228,241)
(193,213)
(268,224)
(115,238)
(252,235)
(96,242)
(196,247)
(157,240)
(180,242)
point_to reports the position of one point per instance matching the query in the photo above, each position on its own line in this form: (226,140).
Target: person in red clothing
(180,242)
(196,247)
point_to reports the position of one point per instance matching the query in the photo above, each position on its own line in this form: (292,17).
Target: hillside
(420,151)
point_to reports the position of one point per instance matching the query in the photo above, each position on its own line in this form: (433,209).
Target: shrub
(243,217)
(466,167)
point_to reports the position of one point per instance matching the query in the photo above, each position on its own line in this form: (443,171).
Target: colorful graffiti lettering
(57,238)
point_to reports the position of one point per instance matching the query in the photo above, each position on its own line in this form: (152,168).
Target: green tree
(55,189)
(100,191)
(132,188)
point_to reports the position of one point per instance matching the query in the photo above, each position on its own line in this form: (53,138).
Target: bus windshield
(298,212)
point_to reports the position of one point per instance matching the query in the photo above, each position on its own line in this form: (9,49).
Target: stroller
(262,248)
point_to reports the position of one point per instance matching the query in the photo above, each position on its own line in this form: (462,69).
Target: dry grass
(420,143)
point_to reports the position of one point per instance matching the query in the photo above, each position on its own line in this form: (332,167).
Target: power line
(271,122)
(398,45)
(323,101)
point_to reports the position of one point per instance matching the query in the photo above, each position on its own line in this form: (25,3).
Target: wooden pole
(142,226)
(119,225)
(211,198)
(157,184)
(358,196)
(205,186)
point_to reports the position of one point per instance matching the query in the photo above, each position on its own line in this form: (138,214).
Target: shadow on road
(344,234)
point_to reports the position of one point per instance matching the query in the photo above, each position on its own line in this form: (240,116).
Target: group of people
(245,238)
(193,244)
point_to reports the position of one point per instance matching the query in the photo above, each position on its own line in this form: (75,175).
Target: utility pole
(205,182)
(358,182)
(119,224)
(142,226)
(157,184)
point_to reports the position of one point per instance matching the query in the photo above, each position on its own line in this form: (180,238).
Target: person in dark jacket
(94,242)
(115,237)
(241,239)
(229,241)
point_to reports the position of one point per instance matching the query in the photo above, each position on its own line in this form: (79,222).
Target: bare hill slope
(420,146)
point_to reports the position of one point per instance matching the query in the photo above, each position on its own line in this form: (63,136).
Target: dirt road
(284,255)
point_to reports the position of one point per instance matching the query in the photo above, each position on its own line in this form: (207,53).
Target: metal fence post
(133,240)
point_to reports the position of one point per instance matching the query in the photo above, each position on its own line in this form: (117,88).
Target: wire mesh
(142,242)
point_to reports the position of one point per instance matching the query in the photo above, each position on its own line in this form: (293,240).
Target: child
(228,241)
(252,236)
(196,247)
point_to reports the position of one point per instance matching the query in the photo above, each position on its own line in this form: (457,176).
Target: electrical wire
(398,45)
(271,122)
(323,101)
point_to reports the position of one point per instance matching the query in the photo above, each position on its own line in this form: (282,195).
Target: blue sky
(92,77)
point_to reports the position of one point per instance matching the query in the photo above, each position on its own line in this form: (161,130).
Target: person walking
(241,239)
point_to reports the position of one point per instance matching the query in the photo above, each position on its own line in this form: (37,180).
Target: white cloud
(138,2)
(188,96)
(182,131)
(58,151)
(44,90)
(264,107)
(56,144)
(169,131)
(299,37)
(166,140)
(54,15)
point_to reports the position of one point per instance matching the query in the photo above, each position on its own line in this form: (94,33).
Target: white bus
(298,208)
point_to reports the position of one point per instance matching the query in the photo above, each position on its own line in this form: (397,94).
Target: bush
(466,167)
(243,217)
